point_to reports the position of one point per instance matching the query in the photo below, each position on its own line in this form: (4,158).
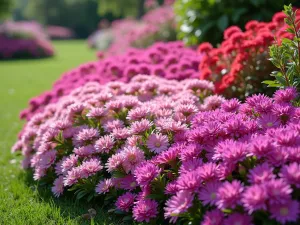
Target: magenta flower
(178,204)
(286,95)
(128,183)
(229,194)
(287,212)
(261,174)
(255,198)
(238,219)
(208,194)
(125,201)
(145,210)
(145,173)
(291,174)
(278,191)
(189,181)
(214,217)
(157,143)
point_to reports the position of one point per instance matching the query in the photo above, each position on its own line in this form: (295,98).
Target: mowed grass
(21,202)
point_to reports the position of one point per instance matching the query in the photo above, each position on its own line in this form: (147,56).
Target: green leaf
(281,80)
(223,22)
(127,218)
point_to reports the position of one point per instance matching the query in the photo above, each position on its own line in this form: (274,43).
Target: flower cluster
(156,25)
(23,39)
(101,138)
(156,145)
(241,63)
(170,60)
(59,32)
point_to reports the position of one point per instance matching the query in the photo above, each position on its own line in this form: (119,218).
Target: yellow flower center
(213,196)
(284,211)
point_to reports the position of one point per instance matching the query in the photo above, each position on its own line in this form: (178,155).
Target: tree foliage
(80,15)
(5,7)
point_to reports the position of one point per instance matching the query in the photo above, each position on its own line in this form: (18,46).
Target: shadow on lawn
(69,207)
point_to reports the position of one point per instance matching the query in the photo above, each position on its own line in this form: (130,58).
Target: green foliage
(5,7)
(122,8)
(79,15)
(285,55)
(119,8)
(205,20)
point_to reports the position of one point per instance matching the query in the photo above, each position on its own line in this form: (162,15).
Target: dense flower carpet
(172,134)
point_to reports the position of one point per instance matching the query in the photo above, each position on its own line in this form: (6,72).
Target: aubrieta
(169,151)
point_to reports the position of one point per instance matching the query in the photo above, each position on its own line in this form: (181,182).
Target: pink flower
(69,163)
(286,95)
(58,187)
(145,173)
(132,157)
(189,181)
(157,143)
(97,113)
(87,134)
(104,144)
(104,186)
(91,167)
(178,204)
(141,126)
(229,194)
(261,174)
(125,201)
(114,162)
(255,198)
(145,210)
(84,151)
(278,191)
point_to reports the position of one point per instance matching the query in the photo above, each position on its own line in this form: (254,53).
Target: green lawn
(20,201)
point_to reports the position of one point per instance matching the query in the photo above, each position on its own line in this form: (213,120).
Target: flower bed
(156,25)
(170,60)
(156,150)
(22,40)
(59,32)
(241,63)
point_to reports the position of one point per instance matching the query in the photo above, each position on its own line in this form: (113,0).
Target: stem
(285,76)
(297,36)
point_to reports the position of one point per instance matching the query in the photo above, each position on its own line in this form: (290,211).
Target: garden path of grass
(20,201)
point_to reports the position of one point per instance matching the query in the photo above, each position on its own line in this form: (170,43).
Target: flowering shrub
(150,150)
(285,55)
(241,63)
(161,59)
(156,25)
(59,32)
(23,39)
